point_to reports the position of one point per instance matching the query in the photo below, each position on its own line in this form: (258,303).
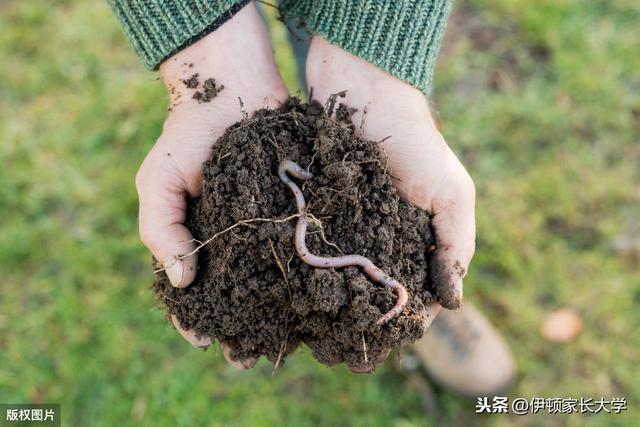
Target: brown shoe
(464,353)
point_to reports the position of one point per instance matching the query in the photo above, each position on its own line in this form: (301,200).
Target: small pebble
(562,325)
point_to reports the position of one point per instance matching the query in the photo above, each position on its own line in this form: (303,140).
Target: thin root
(279,359)
(318,224)
(226,230)
(280,266)
(364,349)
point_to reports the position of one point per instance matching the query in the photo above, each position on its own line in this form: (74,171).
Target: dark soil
(209,91)
(253,292)
(192,82)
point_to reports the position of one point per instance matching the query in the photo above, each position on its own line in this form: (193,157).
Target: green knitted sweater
(399,36)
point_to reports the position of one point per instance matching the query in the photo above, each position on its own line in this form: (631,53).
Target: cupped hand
(425,171)
(239,57)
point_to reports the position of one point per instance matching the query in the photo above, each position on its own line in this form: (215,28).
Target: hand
(238,56)
(426,172)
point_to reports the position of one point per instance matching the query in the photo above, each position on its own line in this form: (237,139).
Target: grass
(540,99)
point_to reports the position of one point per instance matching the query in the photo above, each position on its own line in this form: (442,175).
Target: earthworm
(374,273)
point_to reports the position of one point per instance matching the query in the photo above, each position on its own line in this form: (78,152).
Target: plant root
(226,230)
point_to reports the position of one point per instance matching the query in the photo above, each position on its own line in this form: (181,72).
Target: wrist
(238,55)
(401,37)
(331,69)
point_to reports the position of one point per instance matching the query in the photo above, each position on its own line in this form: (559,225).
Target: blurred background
(541,100)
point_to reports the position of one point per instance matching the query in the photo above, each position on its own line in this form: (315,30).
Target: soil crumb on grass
(253,292)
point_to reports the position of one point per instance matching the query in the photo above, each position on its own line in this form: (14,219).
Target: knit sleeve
(402,37)
(157,29)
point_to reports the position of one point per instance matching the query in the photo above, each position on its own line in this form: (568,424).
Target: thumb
(161,216)
(454,225)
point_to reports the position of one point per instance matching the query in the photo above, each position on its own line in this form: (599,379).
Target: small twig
(386,161)
(167,297)
(312,159)
(346,190)
(364,349)
(318,224)
(226,230)
(253,201)
(224,156)
(331,101)
(289,262)
(370,269)
(362,120)
(280,266)
(383,139)
(280,353)
(245,115)
(283,346)
(239,237)
(191,240)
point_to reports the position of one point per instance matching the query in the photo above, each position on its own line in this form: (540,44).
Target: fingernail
(200,342)
(247,363)
(174,269)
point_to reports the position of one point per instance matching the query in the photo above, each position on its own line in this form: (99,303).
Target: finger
(430,313)
(454,225)
(195,340)
(161,215)
(247,363)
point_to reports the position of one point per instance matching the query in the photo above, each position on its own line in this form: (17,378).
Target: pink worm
(374,273)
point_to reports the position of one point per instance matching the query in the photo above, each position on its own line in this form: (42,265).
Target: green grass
(540,99)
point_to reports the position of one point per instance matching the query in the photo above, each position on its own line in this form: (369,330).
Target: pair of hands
(239,56)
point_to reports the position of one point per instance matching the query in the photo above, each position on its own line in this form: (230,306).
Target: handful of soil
(252,290)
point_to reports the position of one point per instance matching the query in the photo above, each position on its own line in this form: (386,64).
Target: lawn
(540,99)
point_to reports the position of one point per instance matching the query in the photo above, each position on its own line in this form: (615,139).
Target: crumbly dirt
(253,292)
(208,92)
(192,82)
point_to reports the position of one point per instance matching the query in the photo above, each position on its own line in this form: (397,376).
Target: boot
(464,353)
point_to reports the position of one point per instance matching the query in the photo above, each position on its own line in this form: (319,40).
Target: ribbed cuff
(401,37)
(157,29)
